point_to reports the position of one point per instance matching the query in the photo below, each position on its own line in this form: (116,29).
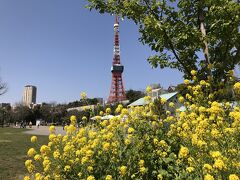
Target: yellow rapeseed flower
(155,141)
(52,137)
(56,154)
(84,160)
(37,157)
(215,154)
(186,81)
(26,178)
(52,129)
(193,72)
(219,164)
(31,152)
(236,87)
(123,170)
(163,101)
(28,162)
(71,129)
(57,177)
(143,170)
(108,177)
(83,95)
(127,141)
(89,153)
(194,78)
(149,89)
(201,143)
(215,133)
(208,177)
(162,143)
(46,162)
(141,163)
(233,177)
(73,120)
(181,99)
(130,130)
(202,82)
(117,110)
(106,146)
(101,113)
(207,167)
(38,176)
(67,168)
(124,111)
(84,118)
(171,104)
(108,110)
(183,152)
(34,139)
(45,149)
(89,169)
(159,177)
(90,178)
(190,169)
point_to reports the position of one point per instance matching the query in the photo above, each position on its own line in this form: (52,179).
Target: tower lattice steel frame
(117,92)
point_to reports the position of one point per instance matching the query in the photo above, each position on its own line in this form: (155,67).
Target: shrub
(199,143)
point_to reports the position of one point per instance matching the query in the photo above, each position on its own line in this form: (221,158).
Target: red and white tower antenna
(117,92)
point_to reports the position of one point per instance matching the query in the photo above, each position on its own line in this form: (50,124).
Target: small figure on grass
(30,124)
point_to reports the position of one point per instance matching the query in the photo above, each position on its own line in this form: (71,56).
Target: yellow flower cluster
(199,143)
(237,87)
(34,139)
(183,153)
(83,95)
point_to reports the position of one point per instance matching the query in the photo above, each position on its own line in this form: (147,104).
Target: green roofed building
(169,97)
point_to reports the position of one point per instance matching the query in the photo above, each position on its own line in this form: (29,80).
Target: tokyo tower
(117,92)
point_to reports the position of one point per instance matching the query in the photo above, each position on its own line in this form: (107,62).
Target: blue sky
(64,49)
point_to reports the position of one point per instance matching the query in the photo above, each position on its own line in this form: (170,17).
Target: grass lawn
(14,145)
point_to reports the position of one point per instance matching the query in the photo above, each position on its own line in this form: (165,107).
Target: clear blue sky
(64,49)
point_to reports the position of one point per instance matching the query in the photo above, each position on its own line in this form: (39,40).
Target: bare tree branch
(3,87)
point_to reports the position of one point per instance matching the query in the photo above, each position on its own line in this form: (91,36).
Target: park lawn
(14,145)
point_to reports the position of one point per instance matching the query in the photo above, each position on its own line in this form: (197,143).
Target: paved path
(43,130)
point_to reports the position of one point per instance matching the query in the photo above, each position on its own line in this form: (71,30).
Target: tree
(83,102)
(23,113)
(200,35)
(5,115)
(133,95)
(45,112)
(3,87)
(52,113)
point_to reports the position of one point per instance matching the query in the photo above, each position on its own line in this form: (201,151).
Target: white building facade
(29,95)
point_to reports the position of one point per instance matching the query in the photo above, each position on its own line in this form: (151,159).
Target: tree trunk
(203,31)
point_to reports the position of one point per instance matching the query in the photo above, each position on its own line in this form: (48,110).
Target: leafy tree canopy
(133,95)
(202,35)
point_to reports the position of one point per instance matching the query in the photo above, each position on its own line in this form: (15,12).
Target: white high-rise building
(29,95)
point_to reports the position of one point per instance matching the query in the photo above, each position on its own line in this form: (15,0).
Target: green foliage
(200,143)
(158,108)
(133,95)
(222,90)
(185,34)
(23,113)
(83,102)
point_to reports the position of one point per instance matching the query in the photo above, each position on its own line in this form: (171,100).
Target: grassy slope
(14,145)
